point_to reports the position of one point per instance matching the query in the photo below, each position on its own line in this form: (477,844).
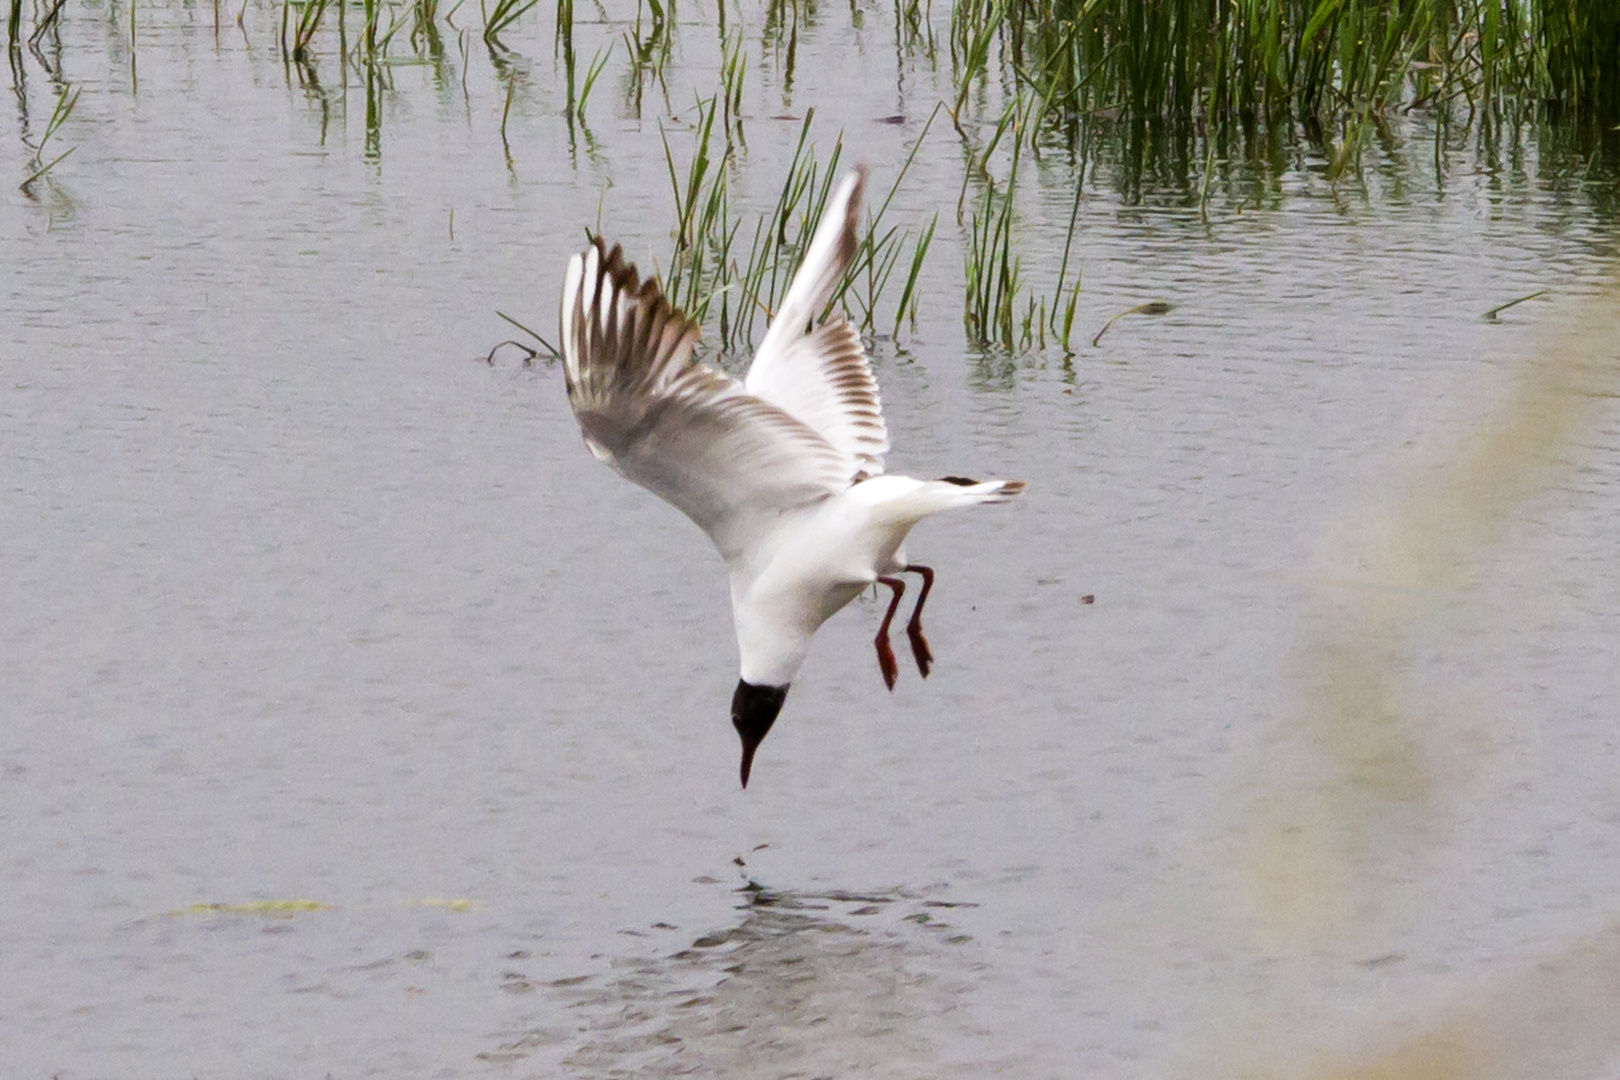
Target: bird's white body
(818,559)
(783,470)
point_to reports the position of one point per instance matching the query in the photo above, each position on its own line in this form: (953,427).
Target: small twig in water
(1152,307)
(1490,316)
(550,348)
(529,353)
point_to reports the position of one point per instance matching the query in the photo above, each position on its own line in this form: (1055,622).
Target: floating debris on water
(1152,307)
(271,908)
(456,904)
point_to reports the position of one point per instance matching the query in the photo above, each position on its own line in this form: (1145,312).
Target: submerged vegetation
(1185,98)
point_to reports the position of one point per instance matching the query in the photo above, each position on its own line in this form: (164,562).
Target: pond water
(304,601)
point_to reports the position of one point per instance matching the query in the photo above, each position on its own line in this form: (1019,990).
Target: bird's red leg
(885,651)
(914,631)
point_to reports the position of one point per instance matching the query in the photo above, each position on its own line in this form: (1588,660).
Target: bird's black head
(753,711)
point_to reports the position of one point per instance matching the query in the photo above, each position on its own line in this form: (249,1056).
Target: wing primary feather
(832,248)
(731,461)
(822,376)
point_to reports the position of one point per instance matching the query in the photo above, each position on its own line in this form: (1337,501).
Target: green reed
(733,70)
(425,37)
(1330,65)
(649,52)
(1000,306)
(781,35)
(374,83)
(906,309)
(992,269)
(500,18)
(598,62)
(730,275)
(563,36)
(914,27)
(1185,84)
(993,272)
(1578,43)
(974,26)
(879,252)
(309,22)
(37,166)
(701,202)
(398,19)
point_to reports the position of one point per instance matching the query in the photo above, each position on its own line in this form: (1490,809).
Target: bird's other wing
(823,377)
(689,433)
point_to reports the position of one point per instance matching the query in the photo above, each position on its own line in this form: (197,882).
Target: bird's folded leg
(914,630)
(885,651)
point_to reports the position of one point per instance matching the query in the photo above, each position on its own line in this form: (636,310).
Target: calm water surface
(302,600)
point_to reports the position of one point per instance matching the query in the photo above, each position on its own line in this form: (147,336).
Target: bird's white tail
(902,499)
(964,492)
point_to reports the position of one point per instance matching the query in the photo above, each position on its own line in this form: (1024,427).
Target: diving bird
(783,470)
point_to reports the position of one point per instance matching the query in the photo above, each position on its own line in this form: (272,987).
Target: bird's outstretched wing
(822,376)
(693,435)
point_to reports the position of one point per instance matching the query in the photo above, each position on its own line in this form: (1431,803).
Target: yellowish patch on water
(1362,763)
(271,908)
(458,904)
(1556,1017)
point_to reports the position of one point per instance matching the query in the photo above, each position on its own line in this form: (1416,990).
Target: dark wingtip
(848,241)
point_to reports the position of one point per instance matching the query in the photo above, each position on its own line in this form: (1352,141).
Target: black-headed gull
(783,470)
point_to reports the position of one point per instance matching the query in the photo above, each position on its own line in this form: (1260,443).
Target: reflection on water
(803,984)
